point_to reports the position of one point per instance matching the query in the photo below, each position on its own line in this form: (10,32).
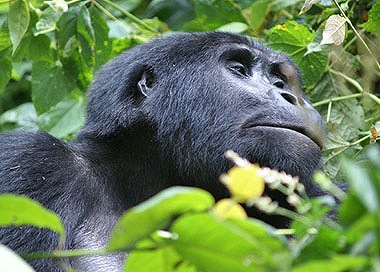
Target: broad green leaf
(21,117)
(103,45)
(18,21)
(86,37)
(11,262)
(50,84)
(35,48)
(258,11)
(5,40)
(293,39)
(212,14)
(362,185)
(16,210)
(156,213)
(216,245)
(5,74)
(164,259)
(338,263)
(335,30)
(373,23)
(66,26)
(63,119)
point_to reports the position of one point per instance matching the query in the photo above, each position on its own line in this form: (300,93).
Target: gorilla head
(198,95)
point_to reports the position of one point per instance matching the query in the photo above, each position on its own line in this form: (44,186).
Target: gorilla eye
(238,68)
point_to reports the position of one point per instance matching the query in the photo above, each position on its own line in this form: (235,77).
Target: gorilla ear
(146,81)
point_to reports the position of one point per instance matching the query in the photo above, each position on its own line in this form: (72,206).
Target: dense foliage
(50,51)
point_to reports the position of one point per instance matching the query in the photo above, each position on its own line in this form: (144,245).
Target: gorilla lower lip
(299,130)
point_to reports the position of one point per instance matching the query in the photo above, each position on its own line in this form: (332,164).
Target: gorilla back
(161,114)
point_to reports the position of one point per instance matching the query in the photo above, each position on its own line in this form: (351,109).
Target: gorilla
(159,115)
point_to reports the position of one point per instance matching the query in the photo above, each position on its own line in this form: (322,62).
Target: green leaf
(36,48)
(212,245)
(65,118)
(18,21)
(373,23)
(362,185)
(6,72)
(86,37)
(212,14)
(10,261)
(21,117)
(103,46)
(258,11)
(5,40)
(293,39)
(164,259)
(235,27)
(337,263)
(47,21)
(66,26)
(18,210)
(156,213)
(50,84)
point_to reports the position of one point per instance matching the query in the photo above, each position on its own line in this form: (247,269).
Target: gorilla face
(201,94)
(234,95)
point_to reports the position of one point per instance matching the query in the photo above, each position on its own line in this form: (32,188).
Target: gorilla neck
(126,165)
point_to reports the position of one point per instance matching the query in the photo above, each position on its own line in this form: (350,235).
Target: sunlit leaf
(335,30)
(373,23)
(339,263)
(18,210)
(156,213)
(214,245)
(293,39)
(164,259)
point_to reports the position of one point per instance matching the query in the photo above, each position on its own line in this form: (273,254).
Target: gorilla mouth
(317,139)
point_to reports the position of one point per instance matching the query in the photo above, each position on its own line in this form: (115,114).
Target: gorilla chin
(283,149)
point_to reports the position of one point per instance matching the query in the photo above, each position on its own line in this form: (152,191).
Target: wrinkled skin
(159,115)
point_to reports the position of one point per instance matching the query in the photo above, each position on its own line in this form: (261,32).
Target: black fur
(159,115)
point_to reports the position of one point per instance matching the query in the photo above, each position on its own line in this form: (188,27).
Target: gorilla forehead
(198,47)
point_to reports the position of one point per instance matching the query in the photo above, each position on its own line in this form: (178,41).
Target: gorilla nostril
(291,98)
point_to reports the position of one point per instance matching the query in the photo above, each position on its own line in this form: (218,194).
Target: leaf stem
(59,254)
(335,99)
(131,17)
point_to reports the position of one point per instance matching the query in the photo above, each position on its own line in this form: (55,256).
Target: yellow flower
(244,183)
(229,209)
